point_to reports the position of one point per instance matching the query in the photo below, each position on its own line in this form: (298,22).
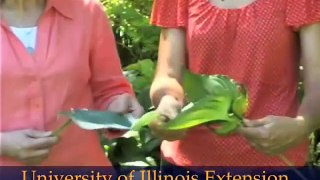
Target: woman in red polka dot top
(259,43)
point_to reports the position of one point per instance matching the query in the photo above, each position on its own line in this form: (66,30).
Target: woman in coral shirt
(258,43)
(57,55)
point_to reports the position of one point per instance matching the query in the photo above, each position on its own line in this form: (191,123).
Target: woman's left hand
(126,103)
(123,104)
(275,134)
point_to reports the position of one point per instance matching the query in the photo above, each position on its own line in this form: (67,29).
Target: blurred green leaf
(125,149)
(144,98)
(145,120)
(140,83)
(93,120)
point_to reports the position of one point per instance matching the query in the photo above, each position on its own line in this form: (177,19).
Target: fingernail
(135,115)
(48,133)
(56,139)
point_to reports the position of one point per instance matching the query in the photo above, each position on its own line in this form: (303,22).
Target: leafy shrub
(136,39)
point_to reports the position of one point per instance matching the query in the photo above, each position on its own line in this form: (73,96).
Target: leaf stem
(290,164)
(58,131)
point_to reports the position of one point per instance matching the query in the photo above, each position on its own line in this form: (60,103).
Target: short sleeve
(170,13)
(302,12)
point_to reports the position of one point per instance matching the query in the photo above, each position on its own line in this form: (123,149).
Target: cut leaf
(208,109)
(145,120)
(93,120)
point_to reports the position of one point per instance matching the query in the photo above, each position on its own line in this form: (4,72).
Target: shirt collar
(64,7)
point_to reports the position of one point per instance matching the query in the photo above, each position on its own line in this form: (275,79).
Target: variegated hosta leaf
(93,120)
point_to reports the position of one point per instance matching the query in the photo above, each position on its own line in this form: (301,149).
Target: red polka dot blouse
(257,45)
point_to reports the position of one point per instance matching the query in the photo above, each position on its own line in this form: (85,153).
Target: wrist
(307,125)
(160,89)
(112,98)
(159,95)
(3,142)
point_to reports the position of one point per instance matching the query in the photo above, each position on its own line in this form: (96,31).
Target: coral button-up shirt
(75,65)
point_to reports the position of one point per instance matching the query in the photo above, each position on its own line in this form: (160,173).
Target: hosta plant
(211,100)
(214,101)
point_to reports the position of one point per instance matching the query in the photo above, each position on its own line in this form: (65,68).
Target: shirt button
(36,103)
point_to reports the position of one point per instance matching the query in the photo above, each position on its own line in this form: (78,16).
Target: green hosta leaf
(226,127)
(197,86)
(145,120)
(93,120)
(193,86)
(208,109)
(229,86)
(240,105)
(217,86)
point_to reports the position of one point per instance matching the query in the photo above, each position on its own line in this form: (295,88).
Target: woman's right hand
(169,108)
(29,146)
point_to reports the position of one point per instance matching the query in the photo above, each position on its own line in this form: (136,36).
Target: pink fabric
(256,45)
(75,65)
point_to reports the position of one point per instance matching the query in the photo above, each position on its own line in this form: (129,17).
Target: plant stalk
(58,131)
(290,164)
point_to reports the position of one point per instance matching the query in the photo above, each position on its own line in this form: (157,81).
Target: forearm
(1,144)
(309,110)
(170,66)
(310,43)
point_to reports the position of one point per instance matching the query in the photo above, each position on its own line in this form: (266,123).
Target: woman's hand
(30,147)
(275,134)
(169,108)
(125,103)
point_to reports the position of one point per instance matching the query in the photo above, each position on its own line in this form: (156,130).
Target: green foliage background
(137,44)
(138,41)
